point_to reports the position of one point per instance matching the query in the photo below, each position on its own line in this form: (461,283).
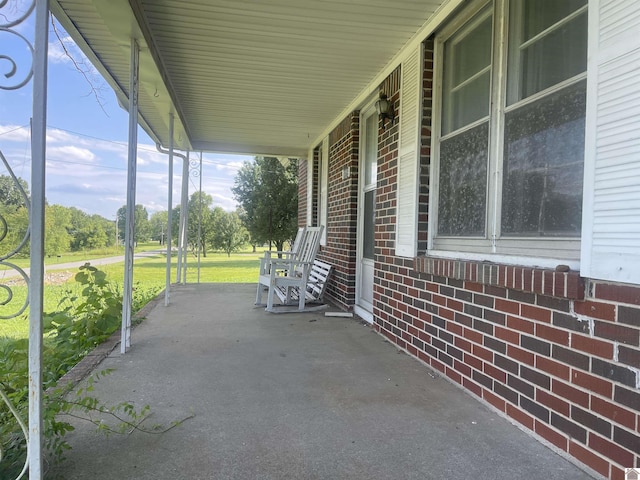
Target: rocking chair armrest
(282,264)
(287,266)
(271,253)
(290,269)
(268,259)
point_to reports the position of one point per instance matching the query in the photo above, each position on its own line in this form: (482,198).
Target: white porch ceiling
(245,76)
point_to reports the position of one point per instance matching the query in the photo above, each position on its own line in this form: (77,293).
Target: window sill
(527,279)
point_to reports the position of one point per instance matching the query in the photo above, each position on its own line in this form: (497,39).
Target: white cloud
(91,173)
(14,133)
(148,155)
(56,136)
(70,153)
(231,167)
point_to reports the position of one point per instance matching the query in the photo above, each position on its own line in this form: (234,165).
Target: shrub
(86,316)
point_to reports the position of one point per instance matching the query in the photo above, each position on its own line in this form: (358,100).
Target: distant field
(148,273)
(84,255)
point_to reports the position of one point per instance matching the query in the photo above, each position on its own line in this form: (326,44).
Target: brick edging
(548,282)
(91,360)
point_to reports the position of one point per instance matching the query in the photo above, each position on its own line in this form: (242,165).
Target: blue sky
(87,142)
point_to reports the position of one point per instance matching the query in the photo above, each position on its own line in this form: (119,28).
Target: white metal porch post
(183,208)
(169,213)
(129,239)
(36,224)
(200,244)
(184,218)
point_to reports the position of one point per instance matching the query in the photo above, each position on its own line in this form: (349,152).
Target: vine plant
(86,316)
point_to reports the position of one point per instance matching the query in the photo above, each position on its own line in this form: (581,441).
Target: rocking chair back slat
(308,249)
(298,241)
(265,261)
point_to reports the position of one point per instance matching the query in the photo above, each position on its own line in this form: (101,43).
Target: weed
(85,317)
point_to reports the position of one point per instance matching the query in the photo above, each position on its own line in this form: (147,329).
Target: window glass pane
(554,56)
(462,196)
(371,150)
(368,225)
(466,77)
(542,14)
(543,165)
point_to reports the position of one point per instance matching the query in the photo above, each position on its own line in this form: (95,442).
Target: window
(509,146)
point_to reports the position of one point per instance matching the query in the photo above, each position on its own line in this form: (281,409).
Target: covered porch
(291,396)
(549,340)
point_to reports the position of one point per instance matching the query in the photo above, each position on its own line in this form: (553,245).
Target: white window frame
(547,251)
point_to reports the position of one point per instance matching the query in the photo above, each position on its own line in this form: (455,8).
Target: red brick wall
(528,343)
(386,197)
(557,353)
(340,250)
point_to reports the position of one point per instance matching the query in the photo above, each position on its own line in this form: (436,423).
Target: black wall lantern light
(385,109)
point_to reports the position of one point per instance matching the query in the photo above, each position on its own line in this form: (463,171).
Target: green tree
(108,227)
(90,231)
(56,237)
(202,225)
(142,232)
(229,234)
(175,225)
(10,193)
(17,224)
(158,226)
(267,190)
(14,211)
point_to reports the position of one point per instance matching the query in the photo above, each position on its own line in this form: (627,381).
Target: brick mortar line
(551,357)
(520,364)
(439,374)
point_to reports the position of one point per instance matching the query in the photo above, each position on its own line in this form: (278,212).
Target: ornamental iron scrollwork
(6,30)
(13,77)
(10,41)
(6,293)
(194,166)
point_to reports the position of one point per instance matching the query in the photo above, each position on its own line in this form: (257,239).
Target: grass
(19,327)
(148,273)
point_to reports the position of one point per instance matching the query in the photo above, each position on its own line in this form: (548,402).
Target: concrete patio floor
(291,396)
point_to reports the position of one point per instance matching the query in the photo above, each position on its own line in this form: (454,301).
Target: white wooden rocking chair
(284,276)
(286,254)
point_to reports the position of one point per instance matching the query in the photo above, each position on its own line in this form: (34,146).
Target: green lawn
(85,255)
(148,273)
(19,326)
